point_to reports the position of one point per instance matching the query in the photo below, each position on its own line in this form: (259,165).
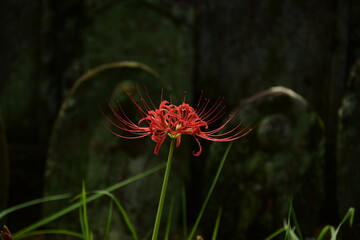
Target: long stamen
(149,98)
(203,107)
(217,116)
(126,125)
(210,138)
(216,105)
(162,95)
(200,98)
(142,100)
(142,112)
(175,120)
(184,98)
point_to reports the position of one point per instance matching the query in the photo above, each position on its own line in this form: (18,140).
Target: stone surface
(23,105)
(244,47)
(150,32)
(226,48)
(280,161)
(82,149)
(47,45)
(4,168)
(348,164)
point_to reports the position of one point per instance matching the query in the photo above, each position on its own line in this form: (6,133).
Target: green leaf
(296,223)
(334,232)
(122,212)
(169,219)
(83,214)
(77,205)
(108,221)
(216,227)
(275,234)
(196,224)
(33,202)
(183,206)
(349,215)
(324,231)
(51,231)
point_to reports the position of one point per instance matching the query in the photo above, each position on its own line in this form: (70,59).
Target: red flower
(5,234)
(174,121)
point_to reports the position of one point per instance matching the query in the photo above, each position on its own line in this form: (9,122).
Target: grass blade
(147,236)
(82,224)
(275,234)
(84,215)
(216,227)
(108,221)
(52,231)
(91,198)
(349,215)
(168,223)
(32,202)
(122,212)
(293,235)
(287,226)
(324,231)
(296,223)
(184,210)
(192,233)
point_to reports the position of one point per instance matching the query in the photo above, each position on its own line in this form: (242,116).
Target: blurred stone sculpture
(82,149)
(280,162)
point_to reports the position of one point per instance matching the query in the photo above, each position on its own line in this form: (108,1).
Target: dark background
(226,48)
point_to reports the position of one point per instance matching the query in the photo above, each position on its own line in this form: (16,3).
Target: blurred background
(63,61)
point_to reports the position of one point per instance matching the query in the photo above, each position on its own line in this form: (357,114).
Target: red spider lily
(5,234)
(174,121)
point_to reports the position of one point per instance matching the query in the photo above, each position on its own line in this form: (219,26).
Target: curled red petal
(178,141)
(200,148)
(158,144)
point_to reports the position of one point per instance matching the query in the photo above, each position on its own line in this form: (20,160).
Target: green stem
(163,191)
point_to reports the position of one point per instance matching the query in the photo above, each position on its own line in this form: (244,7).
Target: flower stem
(163,191)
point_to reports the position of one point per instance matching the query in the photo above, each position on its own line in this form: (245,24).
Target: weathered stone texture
(82,149)
(280,161)
(348,163)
